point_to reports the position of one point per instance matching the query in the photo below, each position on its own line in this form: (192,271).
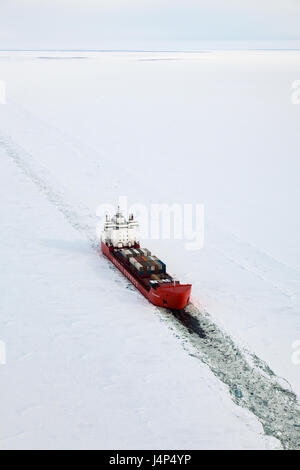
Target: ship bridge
(119,232)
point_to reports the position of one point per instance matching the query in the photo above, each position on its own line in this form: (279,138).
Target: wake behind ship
(146,272)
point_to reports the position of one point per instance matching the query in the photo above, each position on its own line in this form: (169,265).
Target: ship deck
(144,280)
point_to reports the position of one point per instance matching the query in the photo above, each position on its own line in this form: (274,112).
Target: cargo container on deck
(146,272)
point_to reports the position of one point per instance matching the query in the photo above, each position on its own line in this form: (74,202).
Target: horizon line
(157,50)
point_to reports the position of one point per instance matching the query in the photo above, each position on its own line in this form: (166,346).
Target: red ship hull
(173,296)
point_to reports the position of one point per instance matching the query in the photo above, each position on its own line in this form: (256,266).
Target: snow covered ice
(89,362)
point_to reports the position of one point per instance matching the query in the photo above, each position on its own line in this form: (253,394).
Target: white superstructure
(120,232)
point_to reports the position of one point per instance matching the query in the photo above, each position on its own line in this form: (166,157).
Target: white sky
(98,24)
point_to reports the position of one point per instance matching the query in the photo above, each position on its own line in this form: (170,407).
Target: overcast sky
(102,24)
